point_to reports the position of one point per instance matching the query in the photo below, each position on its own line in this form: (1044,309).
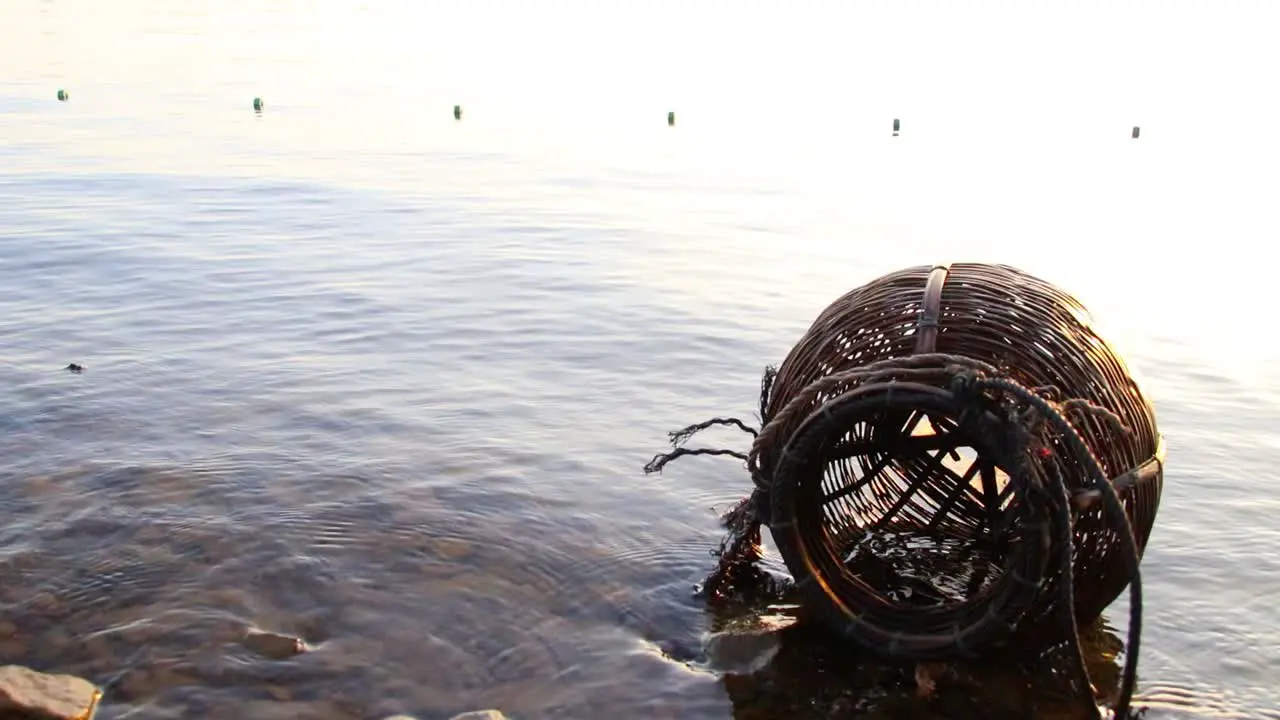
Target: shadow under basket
(923,514)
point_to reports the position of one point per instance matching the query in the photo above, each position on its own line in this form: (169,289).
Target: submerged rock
(276,646)
(31,695)
(741,652)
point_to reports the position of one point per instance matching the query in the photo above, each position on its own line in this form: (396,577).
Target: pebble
(27,693)
(276,646)
(451,548)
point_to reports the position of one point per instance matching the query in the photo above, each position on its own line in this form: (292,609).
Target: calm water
(360,372)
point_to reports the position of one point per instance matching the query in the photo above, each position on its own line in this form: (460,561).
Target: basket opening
(911,508)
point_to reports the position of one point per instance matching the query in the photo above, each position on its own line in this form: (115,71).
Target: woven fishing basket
(899,523)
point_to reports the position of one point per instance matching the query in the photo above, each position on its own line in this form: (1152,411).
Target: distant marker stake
(457,112)
(257,104)
(63,95)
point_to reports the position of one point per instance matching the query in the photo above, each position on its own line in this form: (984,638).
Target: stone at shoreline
(741,652)
(31,695)
(276,646)
(481,715)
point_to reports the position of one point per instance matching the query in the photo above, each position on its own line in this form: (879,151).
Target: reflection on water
(812,677)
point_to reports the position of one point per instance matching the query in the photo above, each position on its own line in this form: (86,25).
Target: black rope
(1066,540)
(1114,509)
(966,382)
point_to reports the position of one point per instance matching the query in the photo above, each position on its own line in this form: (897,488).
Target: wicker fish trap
(952,461)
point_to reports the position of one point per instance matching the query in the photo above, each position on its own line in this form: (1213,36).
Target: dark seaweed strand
(659,461)
(678,437)
(681,436)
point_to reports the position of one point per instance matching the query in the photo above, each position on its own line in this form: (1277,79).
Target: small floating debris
(671,118)
(897,125)
(63,95)
(457,112)
(75,368)
(1135,132)
(258,104)
(276,646)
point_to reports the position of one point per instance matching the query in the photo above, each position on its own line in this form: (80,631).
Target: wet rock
(45,603)
(27,694)
(481,715)
(142,683)
(741,652)
(75,368)
(276,646)
(40,486)
(451,548)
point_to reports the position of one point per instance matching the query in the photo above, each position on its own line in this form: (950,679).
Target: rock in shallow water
(276,646)
(31,695)
(741,652)
(481,715)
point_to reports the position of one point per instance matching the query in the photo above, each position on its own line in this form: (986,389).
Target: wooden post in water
(1135,132)
(671,118)
(457,112)
(897,125)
